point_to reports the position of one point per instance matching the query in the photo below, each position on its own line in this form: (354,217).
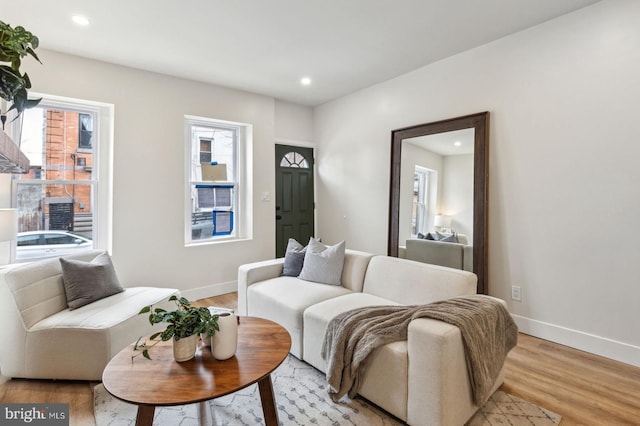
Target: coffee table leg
(145,415)
(205,414)
(268,401)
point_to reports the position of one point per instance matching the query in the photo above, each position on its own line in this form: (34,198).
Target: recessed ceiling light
(305,81)
(457,143)
(80,20)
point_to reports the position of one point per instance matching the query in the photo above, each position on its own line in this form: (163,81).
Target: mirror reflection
(439,193)
(436,199)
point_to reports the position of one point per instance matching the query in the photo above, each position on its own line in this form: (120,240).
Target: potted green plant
(185,324)
(15,44)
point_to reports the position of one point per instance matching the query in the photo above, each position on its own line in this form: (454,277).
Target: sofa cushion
(93,333)
(323,264)
(284,299)
(318,316)
(293,258)
(37,287)
(435,252)
(386,380)
(86,282)
(413,283)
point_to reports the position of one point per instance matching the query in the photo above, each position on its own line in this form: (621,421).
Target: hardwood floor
(585,389)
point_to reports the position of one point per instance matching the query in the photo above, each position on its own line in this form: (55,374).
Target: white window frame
(239,182)
(102,176)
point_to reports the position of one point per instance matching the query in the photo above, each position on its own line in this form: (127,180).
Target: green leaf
(145,354)
(145,310)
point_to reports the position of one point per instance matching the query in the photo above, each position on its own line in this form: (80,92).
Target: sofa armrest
(252,273)
(14,331)
(439,388)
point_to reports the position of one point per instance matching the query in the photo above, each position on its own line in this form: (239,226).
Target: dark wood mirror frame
(480,123)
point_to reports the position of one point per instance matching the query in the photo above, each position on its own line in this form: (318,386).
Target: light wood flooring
(585,389)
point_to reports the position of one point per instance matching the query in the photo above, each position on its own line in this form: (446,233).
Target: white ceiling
(266,46)
(445,143)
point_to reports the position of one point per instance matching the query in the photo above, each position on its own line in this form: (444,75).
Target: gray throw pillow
(323,264)
(86,282)
(293,258)
(447,238)
(430,237)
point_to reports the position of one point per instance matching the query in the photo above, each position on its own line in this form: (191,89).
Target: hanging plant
(15,44)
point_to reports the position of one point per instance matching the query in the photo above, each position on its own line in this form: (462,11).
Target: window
(60,191)
(294,159)
(85,131)
(421,199)
(214,185)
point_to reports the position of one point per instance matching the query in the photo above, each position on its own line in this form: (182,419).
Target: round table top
(262,346)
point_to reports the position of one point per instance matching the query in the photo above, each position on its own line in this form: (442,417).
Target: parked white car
(36,244)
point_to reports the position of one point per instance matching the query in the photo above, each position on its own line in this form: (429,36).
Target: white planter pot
(185,348)
(225,342)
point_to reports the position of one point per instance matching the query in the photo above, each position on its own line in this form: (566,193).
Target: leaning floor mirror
(439,191)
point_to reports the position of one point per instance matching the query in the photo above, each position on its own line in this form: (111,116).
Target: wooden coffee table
(262,346)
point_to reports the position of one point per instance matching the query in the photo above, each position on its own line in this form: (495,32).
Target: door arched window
(294,159)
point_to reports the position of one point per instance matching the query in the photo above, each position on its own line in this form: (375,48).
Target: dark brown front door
(294,196)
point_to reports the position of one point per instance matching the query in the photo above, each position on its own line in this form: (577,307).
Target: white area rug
(302,400)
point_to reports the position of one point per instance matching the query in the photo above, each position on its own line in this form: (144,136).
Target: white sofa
(457,255)
(422,380)
(42,339)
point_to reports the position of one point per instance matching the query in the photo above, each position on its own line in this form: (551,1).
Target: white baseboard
(602,346)
(210,290)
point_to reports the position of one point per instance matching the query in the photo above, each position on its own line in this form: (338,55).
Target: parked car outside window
(35,244)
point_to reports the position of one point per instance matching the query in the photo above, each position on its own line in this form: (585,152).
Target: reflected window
(294,159)
(423,179)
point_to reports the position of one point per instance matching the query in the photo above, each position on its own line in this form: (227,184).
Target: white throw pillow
(323,264)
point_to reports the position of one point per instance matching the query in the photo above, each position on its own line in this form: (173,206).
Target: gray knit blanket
(488,334)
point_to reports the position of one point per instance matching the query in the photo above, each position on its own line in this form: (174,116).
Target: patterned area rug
(302,400)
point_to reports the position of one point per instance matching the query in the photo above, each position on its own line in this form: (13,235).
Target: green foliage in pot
(15,44)
(183,322)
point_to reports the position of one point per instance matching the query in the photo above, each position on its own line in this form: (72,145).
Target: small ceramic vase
(225,342)
(185,348)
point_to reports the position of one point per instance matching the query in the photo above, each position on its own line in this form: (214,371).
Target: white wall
(148,210)
(564,199)
(294,123)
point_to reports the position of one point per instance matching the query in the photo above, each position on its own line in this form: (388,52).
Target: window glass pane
(205,151)
(86,131)
(53,207)
(58,144)
(294,159)
(51,239)
(28,240)
(212,144)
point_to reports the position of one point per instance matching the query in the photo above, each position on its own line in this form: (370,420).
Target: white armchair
(41,338)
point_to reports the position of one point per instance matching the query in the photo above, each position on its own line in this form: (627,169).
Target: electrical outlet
(516,293)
